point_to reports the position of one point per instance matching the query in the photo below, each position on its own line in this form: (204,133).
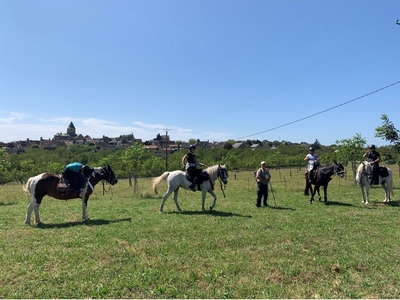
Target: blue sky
(208,70)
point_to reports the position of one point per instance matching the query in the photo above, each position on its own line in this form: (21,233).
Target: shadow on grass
(280,207)
(7,203)
(336,203)
(393,203)
(210,212)
(98,222)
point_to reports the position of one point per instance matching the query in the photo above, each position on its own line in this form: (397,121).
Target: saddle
(313,174)
(200,178)
(383,172)
(63,187)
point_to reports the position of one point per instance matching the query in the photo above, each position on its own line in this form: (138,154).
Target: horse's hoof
(211,208)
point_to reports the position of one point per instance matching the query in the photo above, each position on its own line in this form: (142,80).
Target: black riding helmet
(192,147)
(371,146)
(311,149)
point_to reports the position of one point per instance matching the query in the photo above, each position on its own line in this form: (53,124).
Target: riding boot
(193,185)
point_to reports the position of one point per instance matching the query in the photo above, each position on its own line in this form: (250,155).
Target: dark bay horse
(46,184)
(177,179)
(322,177)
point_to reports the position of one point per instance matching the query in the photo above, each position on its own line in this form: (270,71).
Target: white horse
(178,179)
(364,178)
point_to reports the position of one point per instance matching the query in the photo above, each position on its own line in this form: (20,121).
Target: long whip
(272,190)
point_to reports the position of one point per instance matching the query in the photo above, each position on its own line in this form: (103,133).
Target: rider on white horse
(191,166)
(373,158)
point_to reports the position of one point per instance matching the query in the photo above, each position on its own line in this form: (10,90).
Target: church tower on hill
(71,131)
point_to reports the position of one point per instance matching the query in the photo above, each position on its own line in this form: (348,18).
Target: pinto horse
(364,179)
(46,184)
(322,177)
(177,179)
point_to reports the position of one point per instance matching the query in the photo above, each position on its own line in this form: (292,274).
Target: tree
(316,145)
(350,150)
(132,158)
(388,132)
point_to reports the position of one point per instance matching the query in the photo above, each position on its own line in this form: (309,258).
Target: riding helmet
(311,149)
(192,147)
(371,146)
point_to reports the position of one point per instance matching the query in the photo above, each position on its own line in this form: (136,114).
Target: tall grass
(129,250)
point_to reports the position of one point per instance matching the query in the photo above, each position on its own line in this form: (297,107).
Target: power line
(323,111)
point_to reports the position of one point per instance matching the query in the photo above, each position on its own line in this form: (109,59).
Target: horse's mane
(213,169)
(361,166)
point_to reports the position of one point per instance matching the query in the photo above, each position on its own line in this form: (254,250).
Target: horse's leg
(166,195)
(362,192)
(84,209)
(37,216)
(326,194)
(313,191)
(307,188)
(176,199)
(215,198)
(387,192)
(31,208)
(319,194)
(367,186)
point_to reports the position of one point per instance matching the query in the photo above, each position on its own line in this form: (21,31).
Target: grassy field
(129,250)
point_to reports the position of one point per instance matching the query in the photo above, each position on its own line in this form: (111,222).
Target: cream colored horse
(364,179)
(177,179)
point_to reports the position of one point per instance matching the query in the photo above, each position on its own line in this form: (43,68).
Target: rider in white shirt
(312,159)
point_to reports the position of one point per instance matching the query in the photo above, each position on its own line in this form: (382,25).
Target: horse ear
(335,162)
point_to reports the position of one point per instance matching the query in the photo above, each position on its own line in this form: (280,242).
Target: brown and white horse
(46,184)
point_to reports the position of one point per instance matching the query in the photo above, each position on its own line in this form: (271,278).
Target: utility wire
(321,112)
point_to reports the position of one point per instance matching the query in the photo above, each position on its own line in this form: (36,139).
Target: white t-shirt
(312,158)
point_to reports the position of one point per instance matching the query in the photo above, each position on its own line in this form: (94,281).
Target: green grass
(129,250)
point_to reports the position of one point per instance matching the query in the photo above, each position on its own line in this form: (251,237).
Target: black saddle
(383,172)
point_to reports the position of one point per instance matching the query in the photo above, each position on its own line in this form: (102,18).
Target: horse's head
(339,169)
(222,173)
(109,175)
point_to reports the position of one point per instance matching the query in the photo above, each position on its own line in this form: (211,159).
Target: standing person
(191,166)
(263,177)
(312,159)
(373,158)
(73,172)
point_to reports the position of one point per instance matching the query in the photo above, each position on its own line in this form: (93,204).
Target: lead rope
(222,189)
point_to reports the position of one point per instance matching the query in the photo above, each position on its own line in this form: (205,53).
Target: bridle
(107,180)
(339,170)
(222,174)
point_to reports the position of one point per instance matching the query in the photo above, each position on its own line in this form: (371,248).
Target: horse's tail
(27,186)
(157,181)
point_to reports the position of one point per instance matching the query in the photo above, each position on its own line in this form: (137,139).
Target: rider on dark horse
(373,158)
(313,162)
(191,166)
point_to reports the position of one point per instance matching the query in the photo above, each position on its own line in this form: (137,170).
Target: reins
(222,189)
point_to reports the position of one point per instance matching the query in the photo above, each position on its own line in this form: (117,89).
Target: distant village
(160,144)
